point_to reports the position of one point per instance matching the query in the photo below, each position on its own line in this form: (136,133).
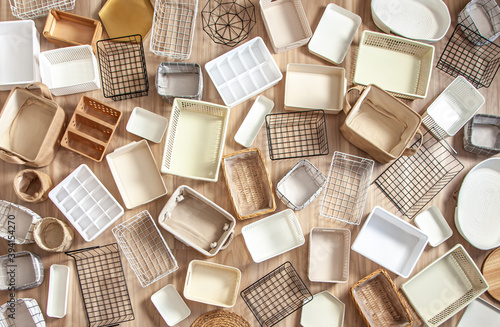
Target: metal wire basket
(26,265)
(482,17)
(28,9)
(27,312)
(481,135)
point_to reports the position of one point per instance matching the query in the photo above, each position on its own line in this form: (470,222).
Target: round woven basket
(220,318)
(32,185)
(53,235)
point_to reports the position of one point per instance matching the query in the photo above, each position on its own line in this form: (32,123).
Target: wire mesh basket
(411,182)
(481,135)
(27,313)
(23,220)
(27,267)
(173,28)
(346,188)
(276,295)
(123,67)
(296,134)
(27,9)
(482,17)
(102,282)
(469,54)
(145,249)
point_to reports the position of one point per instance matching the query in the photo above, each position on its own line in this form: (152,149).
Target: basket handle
(10,158)
(228,241)
(410,151)
(347,106)
(44,90)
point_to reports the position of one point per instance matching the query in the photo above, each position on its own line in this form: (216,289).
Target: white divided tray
(480,313)
(433,224)
(333,36)
(243,72)
(391,242)
(254,120)
(329,252)
(272,236)
(147,124)
(57,302)
(170,305)
(325,310)
(86,203)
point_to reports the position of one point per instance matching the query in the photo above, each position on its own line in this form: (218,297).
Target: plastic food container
(179,80)
(147,124)
(433,224)
(329,252)
(170,305)
(57,302)
(325,310)
(253,121)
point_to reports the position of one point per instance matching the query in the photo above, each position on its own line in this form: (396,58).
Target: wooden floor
(236,254)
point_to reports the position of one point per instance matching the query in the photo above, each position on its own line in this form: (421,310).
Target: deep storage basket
(481,135)
(22,218)
(28,9)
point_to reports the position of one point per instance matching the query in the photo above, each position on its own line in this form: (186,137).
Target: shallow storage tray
(480,313)
(325,310)
(147,124)
(397,65)
(29,269)
(243,72)
(333,36)
(126,17)
(170,305)
(195,140)
(445,287)
(86,203)
(57,302)
(329,252)
(482,135)
(179,80)
(253,121)
(212,283)
(433,224)
(196,221)
(249,183)
(272,236)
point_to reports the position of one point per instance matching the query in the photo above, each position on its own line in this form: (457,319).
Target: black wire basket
(123,67)
(297,134)
(102,282)
(276,295)
(27,312)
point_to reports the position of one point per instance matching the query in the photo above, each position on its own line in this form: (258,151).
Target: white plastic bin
(57,302)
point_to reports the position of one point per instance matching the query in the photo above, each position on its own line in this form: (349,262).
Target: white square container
(134,169)
(86,203)
(433,224)
(57,302)
(329,254)
(147,124)
(391,242)
(19,49)
(253,121)
(170,305)
(325,310)
(315,87)
(333,36)
(243,72)
(480,313)
(212,283)
(272,236)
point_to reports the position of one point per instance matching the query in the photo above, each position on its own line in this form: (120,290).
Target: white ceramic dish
(170,305)
(57,302)
(253,121)
(86,203)
(329,253)
(325,310)
(433,224)
(391,242)
(272,236)
(333,36)
(147,124)
(480,313)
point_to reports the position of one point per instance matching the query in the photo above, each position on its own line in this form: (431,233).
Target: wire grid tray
(276,295)
(482,17)
(28,9)
(123,67)
(296,134)
(27,311)
(173,28)
(482,135)
(102,282)
(411,182)
(28,267)
(471,55)
(346,188)
(145,249)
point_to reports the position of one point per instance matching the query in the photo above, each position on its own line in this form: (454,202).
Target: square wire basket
(28,9)
(145,249)
(25,309)
(276,295)
(296,134)
(482,17)
(346,188)
(173,28)
(22,218)
(478,132)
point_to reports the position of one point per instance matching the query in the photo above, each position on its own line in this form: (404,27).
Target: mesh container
(145,249)
(27,313)
(27,9)
(28,268)
(469,54)
(276,295)
(22,218)
(296,134)
(346,188)
(123,67)
(482,17)
(173,28)
(481,135)
(102,282)
(411,182)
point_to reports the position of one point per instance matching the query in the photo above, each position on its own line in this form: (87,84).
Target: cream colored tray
(147,124)
(480,313)
(170,305)
(329,252)
(325,310)
(254,120)
(57,302)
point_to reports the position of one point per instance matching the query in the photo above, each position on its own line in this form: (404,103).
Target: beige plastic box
(329,253)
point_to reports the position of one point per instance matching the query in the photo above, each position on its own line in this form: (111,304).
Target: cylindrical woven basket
(53,235)
(220,318)
(32,185)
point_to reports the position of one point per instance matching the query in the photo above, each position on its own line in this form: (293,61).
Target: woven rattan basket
(220,318)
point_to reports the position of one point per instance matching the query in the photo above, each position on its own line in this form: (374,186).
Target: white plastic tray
(134,169)
(57,302)
(243,72)
(391,242)
(147,124)
(254,120)
(325,310)
(333,36)
(86,203)
(272,236)
(170,305)
(480,313)
(329,253)
(433,224)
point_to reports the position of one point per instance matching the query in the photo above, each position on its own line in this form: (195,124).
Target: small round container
(32,185)
(53,235)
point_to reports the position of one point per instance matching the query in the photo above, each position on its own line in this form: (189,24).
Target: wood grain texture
(236,254)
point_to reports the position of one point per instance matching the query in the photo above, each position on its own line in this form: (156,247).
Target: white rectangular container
(432,223)
(253,121)
(329,254)
(170,305)
(57,302)
(147,124)
(480,313)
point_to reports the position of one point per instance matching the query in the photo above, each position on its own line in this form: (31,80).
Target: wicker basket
(32,185)
(249,183)
(378,301)
(220,318)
